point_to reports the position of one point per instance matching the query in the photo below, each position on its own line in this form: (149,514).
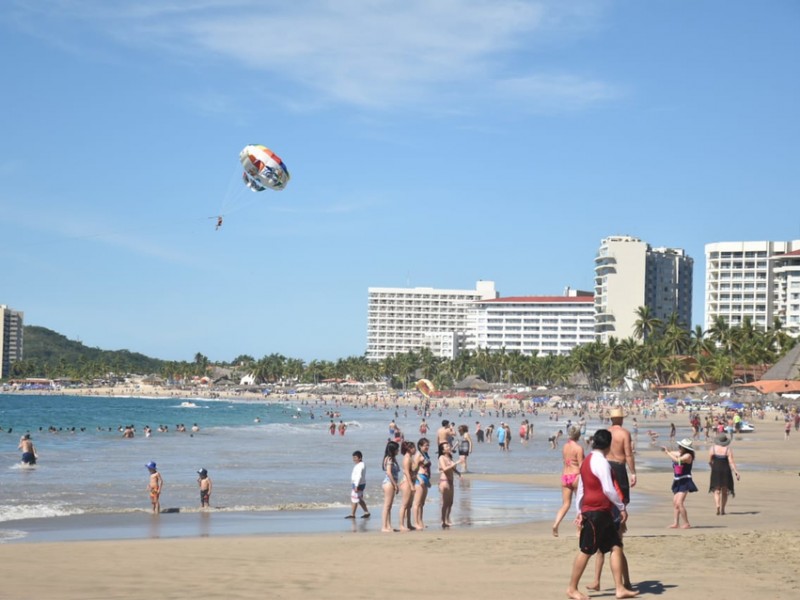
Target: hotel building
(404,319)
(759,280)
(534,325)
(10,338)
(629,274)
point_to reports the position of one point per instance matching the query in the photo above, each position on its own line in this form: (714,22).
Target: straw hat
(722,439)
(686,443)
(616,412)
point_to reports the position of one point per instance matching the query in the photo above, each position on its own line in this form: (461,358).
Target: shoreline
(743,554)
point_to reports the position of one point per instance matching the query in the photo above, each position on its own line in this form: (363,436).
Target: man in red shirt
(596,501)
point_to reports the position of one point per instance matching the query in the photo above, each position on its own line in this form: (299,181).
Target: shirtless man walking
(29,454)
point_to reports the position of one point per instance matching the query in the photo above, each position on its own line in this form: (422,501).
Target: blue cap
(151,465)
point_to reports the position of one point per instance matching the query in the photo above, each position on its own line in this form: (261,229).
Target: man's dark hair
(358,454)
(445,423)
(601,439)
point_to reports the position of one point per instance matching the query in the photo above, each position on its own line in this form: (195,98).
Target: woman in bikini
(573,457)
(446,469)
(422,462)
(407,485)
(390,487)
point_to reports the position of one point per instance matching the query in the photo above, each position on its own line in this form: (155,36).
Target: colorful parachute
(425,387)
(263,169)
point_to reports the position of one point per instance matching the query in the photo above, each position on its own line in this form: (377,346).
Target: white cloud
(379,54)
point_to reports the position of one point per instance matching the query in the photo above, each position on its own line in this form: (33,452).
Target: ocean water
(274,466)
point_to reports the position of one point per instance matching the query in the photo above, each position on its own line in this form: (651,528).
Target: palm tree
(646,324)
(720,333)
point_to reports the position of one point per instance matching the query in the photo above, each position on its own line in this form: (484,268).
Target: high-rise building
(404,319)
(630,274)
(534,325)
(755,280)
(11,338)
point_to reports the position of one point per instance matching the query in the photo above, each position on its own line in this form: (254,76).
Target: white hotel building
(404,319)
(534,325)
(449,321)
(759,280)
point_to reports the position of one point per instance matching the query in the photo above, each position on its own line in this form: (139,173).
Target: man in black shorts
(597,499)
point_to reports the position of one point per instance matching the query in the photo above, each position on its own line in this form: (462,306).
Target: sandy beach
(750,552)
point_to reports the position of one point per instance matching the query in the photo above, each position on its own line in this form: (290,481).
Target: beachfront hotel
(402,320)
(534,325)
(755,280)
(629,274)
(11,338)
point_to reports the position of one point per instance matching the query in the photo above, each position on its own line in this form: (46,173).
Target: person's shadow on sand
(652,587)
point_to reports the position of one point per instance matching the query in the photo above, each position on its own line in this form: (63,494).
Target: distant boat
(188,405)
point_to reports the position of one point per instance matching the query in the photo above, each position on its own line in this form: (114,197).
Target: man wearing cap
(596,501)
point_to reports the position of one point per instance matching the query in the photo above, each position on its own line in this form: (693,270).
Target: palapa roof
(786,368)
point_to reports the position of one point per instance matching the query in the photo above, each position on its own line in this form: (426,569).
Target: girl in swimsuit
(390,487)
(465,446)
(423,466)
(407,486)
(573,457)
(446,469)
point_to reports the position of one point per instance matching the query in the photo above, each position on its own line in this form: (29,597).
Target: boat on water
(188,405)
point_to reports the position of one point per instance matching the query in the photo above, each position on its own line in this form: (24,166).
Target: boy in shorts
(596,501)
(204,481)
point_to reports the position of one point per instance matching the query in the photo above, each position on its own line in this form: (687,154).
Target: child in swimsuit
(154,486)
(204,481)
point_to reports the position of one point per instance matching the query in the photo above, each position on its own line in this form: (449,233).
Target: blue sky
(430,142)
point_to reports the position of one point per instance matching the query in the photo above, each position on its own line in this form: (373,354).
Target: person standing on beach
(446,488)
(407,485)
(620,456)
(29,454)
(572,453)
(204,481)
(422,461)
(155,485)
(358,481)
(390,485)
(596,500)
(682,483)
(465,445)
(720,458)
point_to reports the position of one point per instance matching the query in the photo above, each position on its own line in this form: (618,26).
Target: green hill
(49,351)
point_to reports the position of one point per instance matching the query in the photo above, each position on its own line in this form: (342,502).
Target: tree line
(659,352)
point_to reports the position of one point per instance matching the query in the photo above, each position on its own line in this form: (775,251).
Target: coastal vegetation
(658,353)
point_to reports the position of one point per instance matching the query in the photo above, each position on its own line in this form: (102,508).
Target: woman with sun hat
(682,484)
